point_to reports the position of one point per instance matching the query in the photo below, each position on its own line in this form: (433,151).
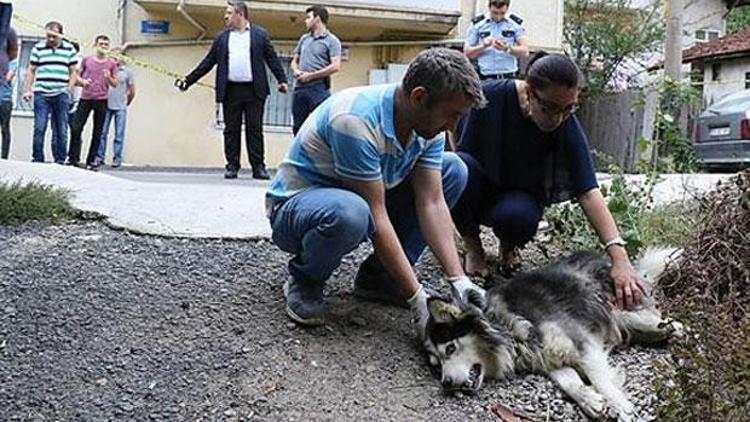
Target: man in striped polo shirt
(369,163)
(52,70)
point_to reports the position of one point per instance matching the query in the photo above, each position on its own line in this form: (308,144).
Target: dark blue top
(516,155)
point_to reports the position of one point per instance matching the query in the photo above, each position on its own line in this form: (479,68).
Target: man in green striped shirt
(53,72)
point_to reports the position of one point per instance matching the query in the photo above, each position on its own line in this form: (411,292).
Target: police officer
(496,42)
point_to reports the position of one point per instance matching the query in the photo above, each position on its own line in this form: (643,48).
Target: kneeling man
(369,163)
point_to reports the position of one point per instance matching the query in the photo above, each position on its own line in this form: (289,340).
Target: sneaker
(373,283)
(116,163)
(304,302)
(230,174)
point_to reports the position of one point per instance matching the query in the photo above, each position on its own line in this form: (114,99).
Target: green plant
(602,34)
(21,202)
(628,203)
(738,19)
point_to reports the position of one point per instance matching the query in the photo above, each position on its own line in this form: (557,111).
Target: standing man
(496,42)
(369,163)
(98,73)
(241,53)
(6,107)
(53,73)
(8,68)
(316,57)
(118,101)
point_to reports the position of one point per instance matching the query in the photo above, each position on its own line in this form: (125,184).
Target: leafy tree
(739,19)
(602,34)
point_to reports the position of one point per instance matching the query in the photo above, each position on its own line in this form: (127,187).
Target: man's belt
(507,75)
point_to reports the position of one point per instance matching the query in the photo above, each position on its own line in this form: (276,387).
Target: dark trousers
(85,107)
(241,101)
(6,13)
(306,99)
(513,215)
(6,108)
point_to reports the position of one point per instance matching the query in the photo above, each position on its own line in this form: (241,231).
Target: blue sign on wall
(155,27)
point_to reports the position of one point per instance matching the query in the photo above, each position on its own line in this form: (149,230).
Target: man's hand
(304,77)
(501,45)
(27,96)
(85,83)
(283,88)
(487,42)
(181,84)
(418,304)
(463,287)
(628,286)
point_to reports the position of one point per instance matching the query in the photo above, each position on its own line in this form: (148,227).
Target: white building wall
(731,79)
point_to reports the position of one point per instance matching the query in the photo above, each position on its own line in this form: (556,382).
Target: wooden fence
(614,125)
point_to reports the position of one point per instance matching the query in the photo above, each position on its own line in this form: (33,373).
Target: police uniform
(493,63)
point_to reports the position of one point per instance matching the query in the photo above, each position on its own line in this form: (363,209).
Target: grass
(674,224)
(31,201)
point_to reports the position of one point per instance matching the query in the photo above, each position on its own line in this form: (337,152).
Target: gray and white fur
(558,320)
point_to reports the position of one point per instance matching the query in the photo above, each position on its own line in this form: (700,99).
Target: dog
(558,320)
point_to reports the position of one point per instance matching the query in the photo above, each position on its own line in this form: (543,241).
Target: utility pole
(673,42)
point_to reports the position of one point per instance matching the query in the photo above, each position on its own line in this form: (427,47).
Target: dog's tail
(655,261)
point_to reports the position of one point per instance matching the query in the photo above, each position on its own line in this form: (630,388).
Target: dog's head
(464,344)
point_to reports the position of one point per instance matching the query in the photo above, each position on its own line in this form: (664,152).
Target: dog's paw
(521,328)
(592,403)
(621,412)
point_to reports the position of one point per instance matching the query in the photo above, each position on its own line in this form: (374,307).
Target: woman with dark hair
(526,151)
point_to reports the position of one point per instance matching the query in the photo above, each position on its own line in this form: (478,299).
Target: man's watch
(615,241)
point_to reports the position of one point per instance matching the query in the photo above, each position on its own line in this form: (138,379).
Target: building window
(278,111)
(747,80)
(715,71)
(706,35)
(24,55)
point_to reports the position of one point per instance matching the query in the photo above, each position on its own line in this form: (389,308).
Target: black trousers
(240,101)
(6,108)
(85,107)
(513,215)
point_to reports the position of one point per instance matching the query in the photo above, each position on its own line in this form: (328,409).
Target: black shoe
(261,174)
(373,283)
(304,302)
(230,174)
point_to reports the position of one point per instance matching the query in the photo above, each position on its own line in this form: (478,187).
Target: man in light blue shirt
(369,163)
(496,42)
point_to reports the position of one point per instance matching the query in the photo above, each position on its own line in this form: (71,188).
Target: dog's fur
(558,320)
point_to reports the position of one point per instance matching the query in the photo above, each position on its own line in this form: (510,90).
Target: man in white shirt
(240,55)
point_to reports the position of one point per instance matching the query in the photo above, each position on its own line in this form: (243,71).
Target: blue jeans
(305,100)
(321,225)
(121,118)
(56,107)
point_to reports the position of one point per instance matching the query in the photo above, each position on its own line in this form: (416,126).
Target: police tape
(148,66)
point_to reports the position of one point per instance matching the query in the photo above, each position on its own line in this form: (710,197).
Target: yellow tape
(148,66)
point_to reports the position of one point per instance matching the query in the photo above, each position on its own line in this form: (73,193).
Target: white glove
(418,304)
(462,286)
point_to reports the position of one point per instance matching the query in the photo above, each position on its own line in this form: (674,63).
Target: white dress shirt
(240,68)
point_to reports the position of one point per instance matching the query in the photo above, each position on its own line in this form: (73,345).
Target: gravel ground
(97,325)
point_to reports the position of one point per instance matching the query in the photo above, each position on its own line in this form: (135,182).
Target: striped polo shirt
(52,67)
(352,135)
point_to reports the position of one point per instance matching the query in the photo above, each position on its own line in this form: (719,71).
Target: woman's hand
(628,286)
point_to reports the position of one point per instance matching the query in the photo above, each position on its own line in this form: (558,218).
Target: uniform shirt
(352,135)
(240,68)
(493,61)
(516,155)
(315,53)
(52,67)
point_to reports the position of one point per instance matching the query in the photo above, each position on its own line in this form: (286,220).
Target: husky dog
(558,320)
